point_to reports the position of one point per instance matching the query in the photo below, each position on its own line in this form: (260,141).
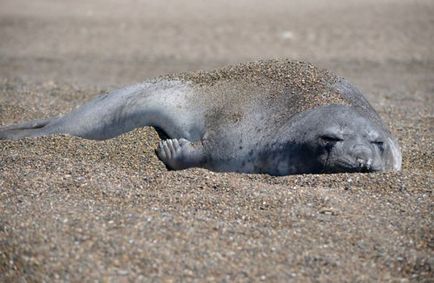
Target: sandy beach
(80,211)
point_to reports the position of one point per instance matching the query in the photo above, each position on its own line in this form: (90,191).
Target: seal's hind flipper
(33,128)
(35,124)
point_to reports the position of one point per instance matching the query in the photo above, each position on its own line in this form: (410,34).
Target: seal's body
(275,117)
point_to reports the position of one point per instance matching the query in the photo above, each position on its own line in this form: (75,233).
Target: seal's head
(336,138)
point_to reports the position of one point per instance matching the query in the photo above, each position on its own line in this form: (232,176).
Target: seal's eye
(331,139)
(379,144)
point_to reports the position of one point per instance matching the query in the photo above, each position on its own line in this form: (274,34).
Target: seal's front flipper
(179,154)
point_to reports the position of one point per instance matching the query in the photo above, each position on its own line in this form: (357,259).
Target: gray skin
(236,125)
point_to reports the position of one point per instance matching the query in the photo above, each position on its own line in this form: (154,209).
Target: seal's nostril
(364,165)
(361,153)
(368,164)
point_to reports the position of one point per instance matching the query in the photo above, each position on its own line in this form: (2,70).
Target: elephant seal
(277,117)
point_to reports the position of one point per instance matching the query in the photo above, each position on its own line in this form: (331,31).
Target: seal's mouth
(359,166)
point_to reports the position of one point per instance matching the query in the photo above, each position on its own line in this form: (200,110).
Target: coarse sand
(79,210)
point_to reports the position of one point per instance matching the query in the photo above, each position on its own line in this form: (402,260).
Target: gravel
(78,210)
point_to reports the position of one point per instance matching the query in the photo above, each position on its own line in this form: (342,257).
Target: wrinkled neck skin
(331,139)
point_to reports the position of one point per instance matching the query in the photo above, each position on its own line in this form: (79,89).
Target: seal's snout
(362,154)
(365,158)
(364,165)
